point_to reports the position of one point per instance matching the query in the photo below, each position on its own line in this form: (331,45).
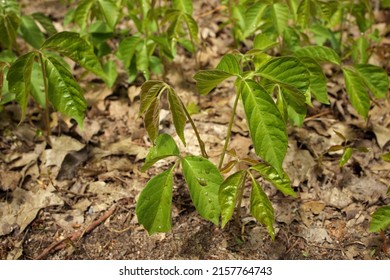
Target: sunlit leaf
(110,10)
(261,208)
(356,91)
(266,125)
(280,14)
(386,157)
(183,5)
(375,78)
(64,92)
(345,157)
(46,23)
(229,64)
(228,193)
(288,72)
(164,147)
(150,90)
(319,54)
(203,180)
(253,18)
(192,27)
(70,44)
(207,80)
(380,220)
(281,182)
(82,13)
(155,203)
(127,48)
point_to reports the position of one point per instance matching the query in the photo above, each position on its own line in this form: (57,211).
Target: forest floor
(76,198)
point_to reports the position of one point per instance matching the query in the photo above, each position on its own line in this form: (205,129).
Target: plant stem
(47,104)
(201,143)
(229,132)
(239,198)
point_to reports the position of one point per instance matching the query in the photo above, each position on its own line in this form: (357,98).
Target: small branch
(58,245)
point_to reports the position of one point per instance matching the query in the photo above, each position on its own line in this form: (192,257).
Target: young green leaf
(127,48)
(46,23)
(9,24)
(280,14)
(282,183)
(150,90)
(111,72)
(261,208)
(178,114)
(229,64)
(319,54)
(317,80)
(37,85)
(375,78)
(380,220)
(304,13)
(152,119)
(110,10)
(228,192)
(266,125)
(345,157)
(203,180)
(155,203)
(288,72)
(184,6)
(19,79)
(165,147)
(356,91)
(31,32)
(206,80)
(192,27)
(64,92)
(142,60)
(253,18)
(82,13)
(360,50)
(264,42)
(70,44)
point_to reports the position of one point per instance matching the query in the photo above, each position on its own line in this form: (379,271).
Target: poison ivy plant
(60,88)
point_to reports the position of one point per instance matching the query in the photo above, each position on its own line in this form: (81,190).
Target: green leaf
(375,78)
(165,147)
(150,90)
(82,13)
(127,48)
(46,23)
(70,44)
(360,50)
(261,208)
(155,203)
(280,14)
(380,220)
(303,13)
(281,182)
(264,42)
(317,80)
(31,32)
(288,72)
(266,125)
(192,27)
(184,6)
(229,64)
(64,92)
(356,92)
(19,79)
(203,180)
(9,24)
(319,54)
(142,61)
(228,193)
(152,119)
(345,157)
(111,72)
(206,80)
(37,85)
(253,18)
(386,157)
(178,114)
(110,10)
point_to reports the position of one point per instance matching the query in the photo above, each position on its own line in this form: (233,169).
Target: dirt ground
(76,198)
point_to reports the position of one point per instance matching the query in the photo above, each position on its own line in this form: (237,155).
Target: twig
(58,245)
